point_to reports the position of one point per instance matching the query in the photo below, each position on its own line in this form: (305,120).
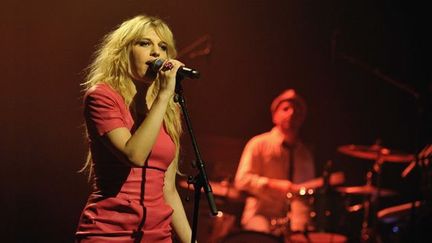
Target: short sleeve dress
(126,203)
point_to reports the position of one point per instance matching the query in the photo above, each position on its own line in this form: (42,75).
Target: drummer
(273,164)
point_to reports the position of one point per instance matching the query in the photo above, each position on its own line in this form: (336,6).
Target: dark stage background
(344,57)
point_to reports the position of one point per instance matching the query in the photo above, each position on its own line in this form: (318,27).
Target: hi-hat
(366,190)
(375,152)
(222,189)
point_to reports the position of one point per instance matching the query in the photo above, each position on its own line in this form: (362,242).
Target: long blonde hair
(111,65)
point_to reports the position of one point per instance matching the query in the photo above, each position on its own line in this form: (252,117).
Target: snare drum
(320,212)
(326,219)
(330,212)
(251,236)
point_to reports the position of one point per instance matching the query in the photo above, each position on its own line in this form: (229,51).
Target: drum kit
(372,190)
(226,230)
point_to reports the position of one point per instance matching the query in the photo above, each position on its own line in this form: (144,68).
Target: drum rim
(312,233)
(250,232)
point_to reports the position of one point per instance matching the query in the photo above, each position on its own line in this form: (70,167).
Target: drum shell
(246,236)
(327,212)
(317,237)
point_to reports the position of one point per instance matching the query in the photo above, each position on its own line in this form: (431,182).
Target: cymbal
(222,189)
(375,152)
(398,212)
(366,190)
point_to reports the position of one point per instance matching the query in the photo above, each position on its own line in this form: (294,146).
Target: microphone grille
(156,64)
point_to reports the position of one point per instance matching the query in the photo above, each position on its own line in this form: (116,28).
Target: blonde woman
(133,128)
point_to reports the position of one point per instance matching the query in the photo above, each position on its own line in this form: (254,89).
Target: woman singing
(133,128)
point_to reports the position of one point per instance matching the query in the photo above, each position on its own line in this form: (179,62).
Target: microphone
(182,72)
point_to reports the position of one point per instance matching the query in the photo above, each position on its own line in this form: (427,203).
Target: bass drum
(317,237)
(251,236)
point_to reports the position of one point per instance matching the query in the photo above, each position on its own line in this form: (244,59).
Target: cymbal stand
(371,202)
(426,175)
(420,215)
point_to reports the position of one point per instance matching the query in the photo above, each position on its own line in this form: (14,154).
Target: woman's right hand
(167,77)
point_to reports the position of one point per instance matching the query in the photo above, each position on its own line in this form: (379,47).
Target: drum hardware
(325,212)
(422,159)
(354,208)
(246,236)
(328,206)
(230,201)
(372,193)
(223,223)
(398,212)
(366,190)
(370,204)
(317,237)
(412,221)
(405,222)
(224,190)
(281,226)
(375,152)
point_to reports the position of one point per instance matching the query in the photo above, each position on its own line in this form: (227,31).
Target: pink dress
(126,203)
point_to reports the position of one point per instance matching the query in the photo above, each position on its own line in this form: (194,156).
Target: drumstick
(336,178)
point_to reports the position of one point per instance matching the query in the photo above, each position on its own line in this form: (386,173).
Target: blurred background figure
(273,164)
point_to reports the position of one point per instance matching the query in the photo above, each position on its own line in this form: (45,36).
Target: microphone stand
(200,181)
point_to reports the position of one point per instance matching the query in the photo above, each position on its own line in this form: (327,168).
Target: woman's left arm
(179,220)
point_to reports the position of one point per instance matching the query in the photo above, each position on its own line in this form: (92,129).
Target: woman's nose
(155,52)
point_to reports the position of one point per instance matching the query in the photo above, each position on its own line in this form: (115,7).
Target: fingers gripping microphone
(182,72)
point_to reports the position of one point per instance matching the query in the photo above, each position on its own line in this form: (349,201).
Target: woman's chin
(146,79)
(149,77)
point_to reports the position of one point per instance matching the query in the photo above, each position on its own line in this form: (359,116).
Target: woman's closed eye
(163,47)
(143,43)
